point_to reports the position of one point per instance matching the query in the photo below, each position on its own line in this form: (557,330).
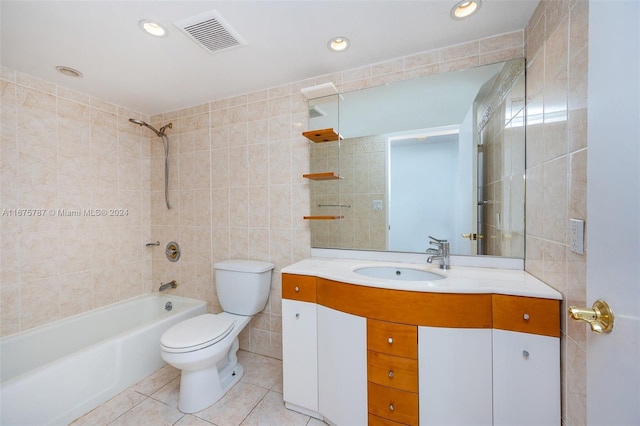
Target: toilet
(204,347)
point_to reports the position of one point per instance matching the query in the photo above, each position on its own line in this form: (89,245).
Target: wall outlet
(377,205)
(576,235)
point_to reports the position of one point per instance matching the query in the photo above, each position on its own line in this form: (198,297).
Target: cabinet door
(454,376)
(342,367)
(526,379)
(300,356)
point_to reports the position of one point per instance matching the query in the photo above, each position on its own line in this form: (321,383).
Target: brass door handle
(600,317)
(472,237)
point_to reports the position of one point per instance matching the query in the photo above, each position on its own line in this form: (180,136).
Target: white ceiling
(287,41)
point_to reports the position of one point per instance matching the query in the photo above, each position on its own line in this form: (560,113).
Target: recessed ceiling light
(68,71)
(338,44)
(153,28)
(465,8)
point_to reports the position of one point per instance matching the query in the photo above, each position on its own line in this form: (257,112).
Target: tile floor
(255,400)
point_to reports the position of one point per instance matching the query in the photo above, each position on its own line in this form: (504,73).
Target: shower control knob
(172,251)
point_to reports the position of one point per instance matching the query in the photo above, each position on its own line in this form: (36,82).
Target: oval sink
(401,273)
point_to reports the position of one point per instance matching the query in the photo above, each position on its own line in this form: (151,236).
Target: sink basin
(401,273)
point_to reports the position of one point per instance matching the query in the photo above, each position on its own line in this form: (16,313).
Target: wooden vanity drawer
(526,314)
(392,371)
(299,287)
(393,404)
(373,420)
(392,338)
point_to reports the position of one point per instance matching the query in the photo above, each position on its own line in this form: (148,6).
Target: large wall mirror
(441,155)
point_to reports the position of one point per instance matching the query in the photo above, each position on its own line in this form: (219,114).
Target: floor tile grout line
(267,383)
(255,406)
(130,408)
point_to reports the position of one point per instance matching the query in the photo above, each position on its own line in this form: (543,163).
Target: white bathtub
(58,372)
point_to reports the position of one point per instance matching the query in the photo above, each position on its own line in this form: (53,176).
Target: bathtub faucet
(170,284)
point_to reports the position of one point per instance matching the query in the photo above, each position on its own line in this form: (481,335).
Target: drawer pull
(391,407)
(297,315)
(525,354)
(297,289)
(526,317)
(390,340)
(390,374)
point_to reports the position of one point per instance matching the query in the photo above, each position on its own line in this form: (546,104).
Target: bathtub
(56,373)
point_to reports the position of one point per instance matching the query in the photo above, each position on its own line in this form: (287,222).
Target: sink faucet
(170,284)
(441,252)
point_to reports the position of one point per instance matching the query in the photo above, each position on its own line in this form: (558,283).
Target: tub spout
(170,284)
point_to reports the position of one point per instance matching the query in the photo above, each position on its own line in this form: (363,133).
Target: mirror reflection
(440,155)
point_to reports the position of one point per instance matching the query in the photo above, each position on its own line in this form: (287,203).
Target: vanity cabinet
(300,343)
(443,359)
(392,372)
(526,379)
(455,376)
(526,371)
(342,367)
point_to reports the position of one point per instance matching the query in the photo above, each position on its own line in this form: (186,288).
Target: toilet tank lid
(244,265)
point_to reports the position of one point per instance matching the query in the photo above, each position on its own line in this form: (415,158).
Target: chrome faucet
(441,252)
(170,284)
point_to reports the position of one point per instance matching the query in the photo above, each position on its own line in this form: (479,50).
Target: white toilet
(204,347)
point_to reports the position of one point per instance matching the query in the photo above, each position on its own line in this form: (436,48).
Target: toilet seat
(196,333)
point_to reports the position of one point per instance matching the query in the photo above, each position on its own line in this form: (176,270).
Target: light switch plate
(576,235)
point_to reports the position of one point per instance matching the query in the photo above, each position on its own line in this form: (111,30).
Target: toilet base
(200,389)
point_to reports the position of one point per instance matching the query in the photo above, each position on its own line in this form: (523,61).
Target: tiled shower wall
(65,160)
(556,52)
(237,192)
(236,177)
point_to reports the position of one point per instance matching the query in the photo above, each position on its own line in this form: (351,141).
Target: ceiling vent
(211,31)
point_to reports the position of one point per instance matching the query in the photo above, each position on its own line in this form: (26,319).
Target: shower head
(159,133)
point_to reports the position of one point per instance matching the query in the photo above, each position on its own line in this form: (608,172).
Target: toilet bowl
(205,347)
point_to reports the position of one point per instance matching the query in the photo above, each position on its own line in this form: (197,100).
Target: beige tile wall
(556,52)
(63,154)
(235,188)
(360,162)
(236,177)
(503,176)
(237,192)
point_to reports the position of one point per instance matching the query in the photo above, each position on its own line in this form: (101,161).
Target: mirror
(440,155)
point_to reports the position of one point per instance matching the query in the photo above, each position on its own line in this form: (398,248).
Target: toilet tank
(243,285)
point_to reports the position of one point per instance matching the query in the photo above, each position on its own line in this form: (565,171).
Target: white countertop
(458,279)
